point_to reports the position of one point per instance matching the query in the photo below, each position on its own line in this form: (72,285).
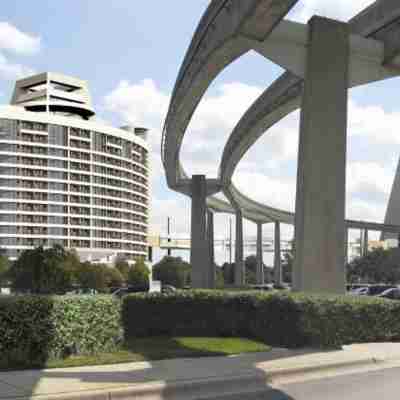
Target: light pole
(169,252)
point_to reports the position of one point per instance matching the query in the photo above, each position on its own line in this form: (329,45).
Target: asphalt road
(377,385)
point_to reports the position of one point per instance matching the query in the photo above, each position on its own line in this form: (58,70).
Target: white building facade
(67,179)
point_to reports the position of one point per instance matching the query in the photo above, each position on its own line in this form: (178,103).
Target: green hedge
(34,329)
(279,319)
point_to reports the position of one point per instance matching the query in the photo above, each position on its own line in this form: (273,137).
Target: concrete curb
(243,382)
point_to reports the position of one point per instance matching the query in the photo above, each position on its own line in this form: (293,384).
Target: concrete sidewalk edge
(245,382)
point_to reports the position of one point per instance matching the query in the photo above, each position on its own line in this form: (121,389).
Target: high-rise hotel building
(66,178)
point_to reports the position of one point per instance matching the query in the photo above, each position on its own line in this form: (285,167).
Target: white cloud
(138,104)
(20,43)
(370,179)
(276,192)
(17,41)
(268,172)
(336,9)
(11,71)
(374,123)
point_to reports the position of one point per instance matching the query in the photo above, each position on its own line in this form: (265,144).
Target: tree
(172,271)
(71,264)
(250,265)
(378,266)
(139,274)
(219,276)
(287,264)
(4,268)
(123,267)
(114,277)
(92,276)
(40,271)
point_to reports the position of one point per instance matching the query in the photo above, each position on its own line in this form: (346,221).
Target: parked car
(121,292)
(84,291)
(374,290)
(360,291)
(261,287)
(168,289)
(392,294)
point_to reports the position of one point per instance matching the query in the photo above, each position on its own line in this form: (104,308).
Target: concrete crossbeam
(321,183)
(288,44)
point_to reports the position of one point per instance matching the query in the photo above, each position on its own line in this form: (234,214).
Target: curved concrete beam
(219,40)
(284,96)
(279,100)
(227,30)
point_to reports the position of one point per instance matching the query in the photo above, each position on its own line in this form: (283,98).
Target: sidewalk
(187,378)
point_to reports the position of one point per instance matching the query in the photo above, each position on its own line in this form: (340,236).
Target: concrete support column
(320,198)
(210,236)
(277,254)
(365,243)
(199,253)
(259,256)
(239,262)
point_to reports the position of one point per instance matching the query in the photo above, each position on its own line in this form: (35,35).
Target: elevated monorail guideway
(331,56)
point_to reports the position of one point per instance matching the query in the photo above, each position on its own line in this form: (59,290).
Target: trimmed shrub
(34,329)
(279,319)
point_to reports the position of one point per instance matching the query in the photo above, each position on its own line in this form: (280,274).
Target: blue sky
(130,53)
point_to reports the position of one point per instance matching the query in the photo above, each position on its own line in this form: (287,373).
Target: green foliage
(378,266)
(4,268)
(279,319)
(172,271)
(71,264)
(251,271)
(56,270)
(287,264)
(123,267)
(219,277)
(114,277)
(139,274)
(250,265)
(41,271)
(92,276)
(34,329)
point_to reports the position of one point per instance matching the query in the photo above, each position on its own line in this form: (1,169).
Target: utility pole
(169,236)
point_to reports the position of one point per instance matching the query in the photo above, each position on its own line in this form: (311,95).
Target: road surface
(377,385)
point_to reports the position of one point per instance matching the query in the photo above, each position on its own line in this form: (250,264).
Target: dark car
(374,290)
(392,294)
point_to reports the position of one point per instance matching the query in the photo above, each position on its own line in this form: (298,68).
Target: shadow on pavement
(111,377)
